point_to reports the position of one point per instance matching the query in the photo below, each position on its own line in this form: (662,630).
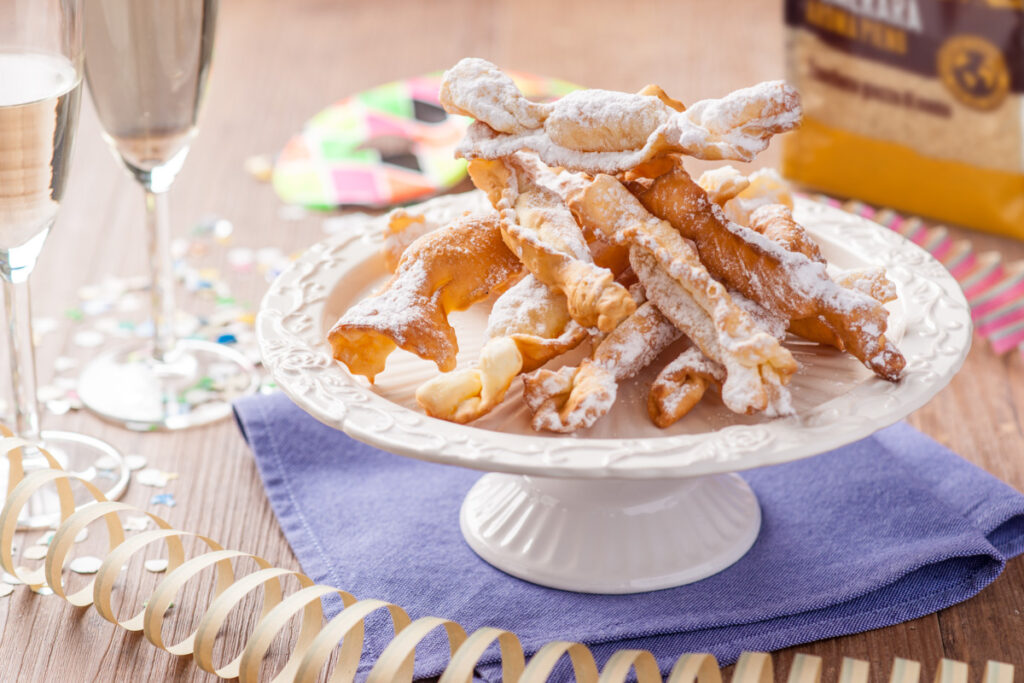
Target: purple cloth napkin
(878,532)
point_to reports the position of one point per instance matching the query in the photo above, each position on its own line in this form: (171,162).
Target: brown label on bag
(975,47)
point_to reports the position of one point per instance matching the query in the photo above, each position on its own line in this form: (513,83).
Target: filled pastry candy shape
(788,283)
(676,281)
(601,131)
(443,271)
(680,386)
(574,398)
(540,230)
(528,326)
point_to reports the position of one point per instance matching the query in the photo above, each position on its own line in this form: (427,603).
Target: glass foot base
(193,386)
(92,459)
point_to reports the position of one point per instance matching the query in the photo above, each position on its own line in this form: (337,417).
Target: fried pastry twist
(676,281)
(528,326)
(787,282)
(601,131)
(572,398)
(680,386)
(542,233)
(443,271)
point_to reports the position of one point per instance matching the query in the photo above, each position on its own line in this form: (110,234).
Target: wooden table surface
(275,64)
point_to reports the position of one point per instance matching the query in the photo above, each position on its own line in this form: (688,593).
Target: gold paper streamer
(317,640)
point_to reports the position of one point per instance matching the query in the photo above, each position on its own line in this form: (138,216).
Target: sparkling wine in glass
(40,88)
(146,63)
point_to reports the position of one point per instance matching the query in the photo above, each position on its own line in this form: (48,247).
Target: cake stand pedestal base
(610,536)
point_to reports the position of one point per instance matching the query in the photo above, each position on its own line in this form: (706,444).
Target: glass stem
(22,355)
(158,231)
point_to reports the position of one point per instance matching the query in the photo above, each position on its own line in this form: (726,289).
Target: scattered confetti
(5,589)
(88,339)
(106,462)
(260,167)
(87,564)
(129,303)
(44,326)
(34,552)
(241,258)
(135,461)
(136,523)
(156,566)
(42,590)
(58,406)
(151,477)
(163,499)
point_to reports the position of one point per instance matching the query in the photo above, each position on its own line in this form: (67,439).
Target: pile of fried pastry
(596,233)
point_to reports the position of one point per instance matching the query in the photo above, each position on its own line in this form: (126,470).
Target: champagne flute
(146,62)
(40,86)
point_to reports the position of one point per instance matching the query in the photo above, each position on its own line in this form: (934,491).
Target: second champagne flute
(146,64)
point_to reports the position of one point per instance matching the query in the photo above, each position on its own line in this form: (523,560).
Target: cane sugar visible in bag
(913,104)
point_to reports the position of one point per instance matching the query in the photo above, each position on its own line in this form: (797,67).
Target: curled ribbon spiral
(317,641)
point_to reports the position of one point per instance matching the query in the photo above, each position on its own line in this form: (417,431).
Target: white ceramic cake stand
(623,506)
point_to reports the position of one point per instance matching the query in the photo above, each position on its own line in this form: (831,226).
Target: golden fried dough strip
(403,229)
(443,271)
(600,131)
(669,268)
(747,388)
(680,385)
(529,325)
(787,283)
(574,398)
(775,221)
(541,231)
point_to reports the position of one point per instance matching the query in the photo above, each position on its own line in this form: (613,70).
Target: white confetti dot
(10,579)
(42,590)
(106,462)
(5,589)
(241,258)
(129,303)
(151,477)
(223,228)
(34,552)
(64,363)
(46,538)
(139,523)
(58,406)
(135,461)
(82,535)
(86,564)
(88,339)
(156,566)
(44,326)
